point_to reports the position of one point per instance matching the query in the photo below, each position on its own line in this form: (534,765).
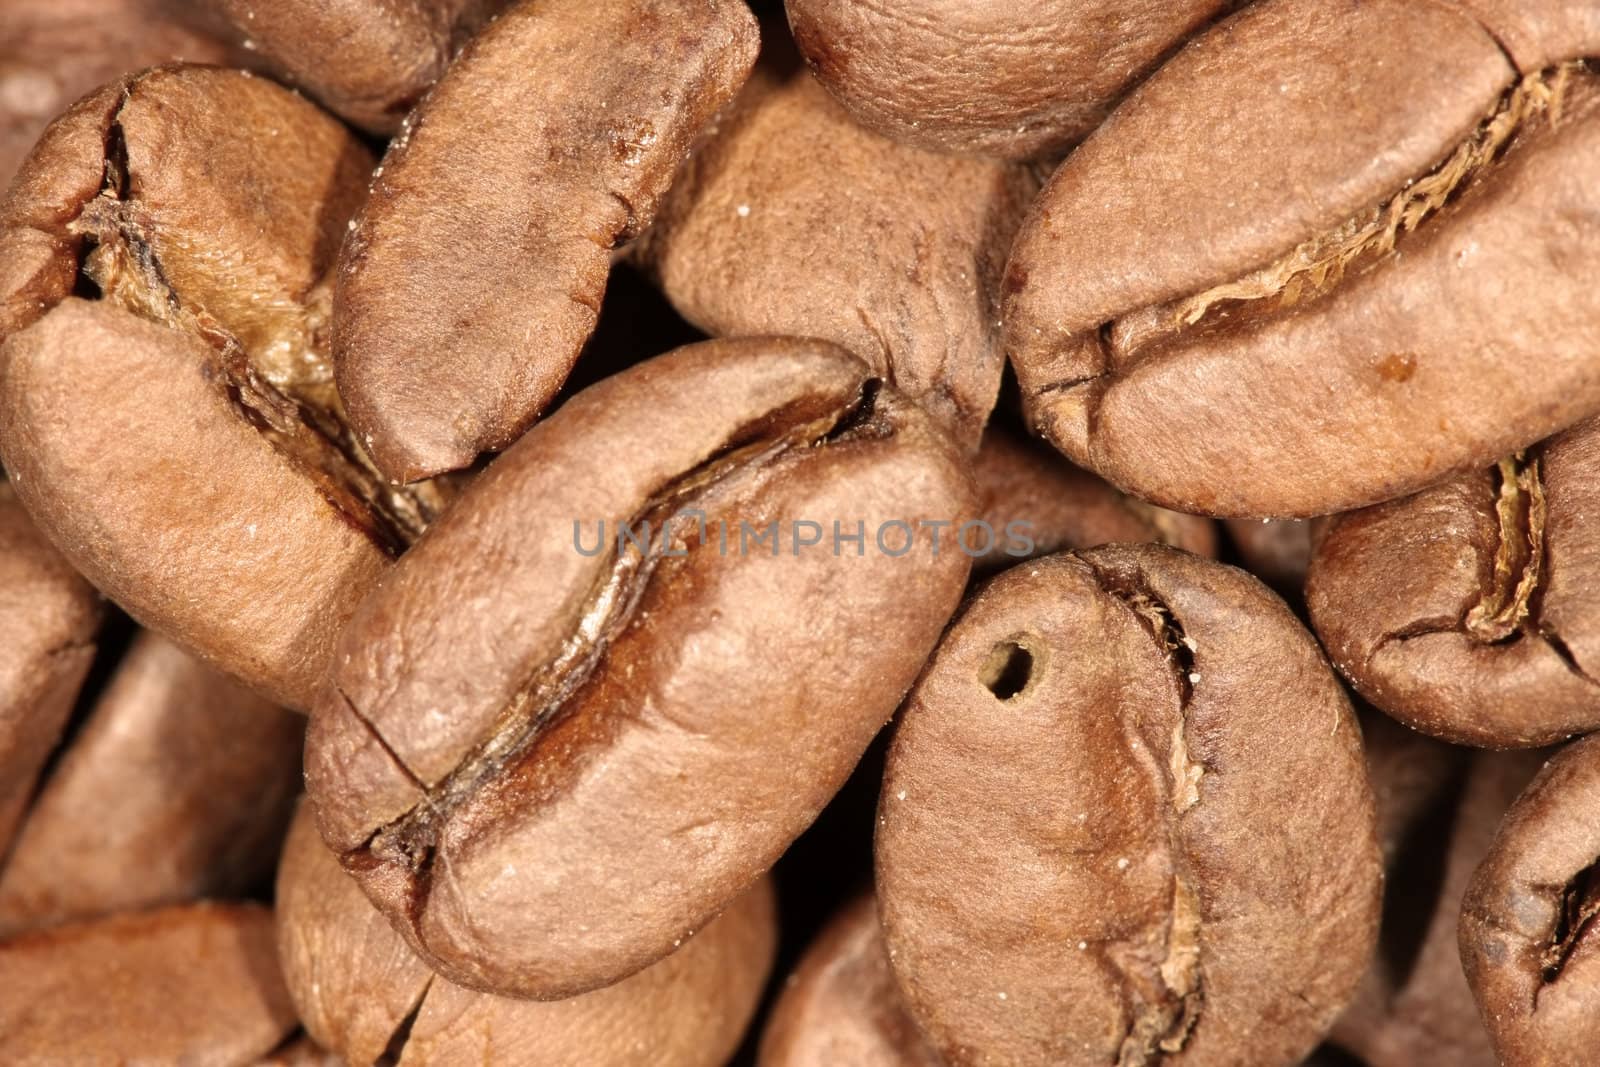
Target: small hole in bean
(1008,670)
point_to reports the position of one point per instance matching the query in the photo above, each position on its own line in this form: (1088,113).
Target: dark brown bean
(791,219)
(842,1006)
(178,786)
(368,61)
(989,76)
(196,984)
(1438,808)
(1278,551)
(1065,507)
(48,618)
(516,724)
(1329,254)
(1416,781)
(475,273)
(1125,820)
(362,993)
(1469,610)
(175,431)
(1528,932)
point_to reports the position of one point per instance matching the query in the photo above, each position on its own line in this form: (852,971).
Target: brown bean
(842,1006)
(474,275)
(362,993)
(196,984)
(791,219)
(177,435)
(178,786)
(1528,932)
(989,76)
(1416,782)
(519,720)
(1065,507)
(1469,610)
(48,619)
(368,61)
(1329,254)
(1124,820)
(1414,1005)
(1278,551)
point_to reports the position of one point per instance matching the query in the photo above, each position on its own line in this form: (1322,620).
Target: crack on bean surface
(1506,606)
(395,1048)
(1579,908)
(609,607)
(1163,1016)
(1317,265)
(278,379)
(1569,659)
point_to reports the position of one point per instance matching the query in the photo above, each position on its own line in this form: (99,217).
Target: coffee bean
(48,618)
(1278,551)
(1329,254)
(1468,610)
(178,786)
(362,993)
(175,430)
(1438,807)
(842,1004)
(515,724)
(196,984)
(474,275)
(1527,922)
(368,61)
(1416,785)
(1125,819)
(987,76)
(1321,269)
(1036,503)
(791,219)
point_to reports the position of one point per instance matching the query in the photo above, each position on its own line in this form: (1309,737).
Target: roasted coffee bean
(1036,503)
(1328,255)
(369,61)
(1471,610)
(1529,940)
(1438,807)
(196,984)
(54,51)
(475,272)
(363,993)
(1125,819)
(178,786)
(173,428)
(1278,551)
(989,76)
(842,1005)
(1416,782)
(792,219)
(48,618)
(523,717)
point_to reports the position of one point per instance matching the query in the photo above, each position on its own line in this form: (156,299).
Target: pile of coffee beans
(921,533)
